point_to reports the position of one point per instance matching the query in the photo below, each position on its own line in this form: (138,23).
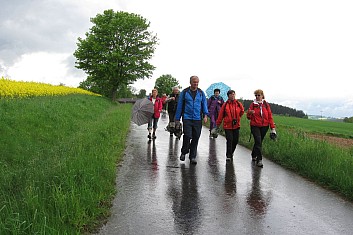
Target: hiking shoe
(193,161)
(149,136)
(259,164)
(182,157)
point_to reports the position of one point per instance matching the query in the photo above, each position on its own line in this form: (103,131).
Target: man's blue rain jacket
(188,107)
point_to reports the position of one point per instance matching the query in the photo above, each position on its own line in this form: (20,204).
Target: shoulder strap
(183,106)
(238,104)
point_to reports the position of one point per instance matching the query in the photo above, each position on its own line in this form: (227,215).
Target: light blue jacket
(191,109)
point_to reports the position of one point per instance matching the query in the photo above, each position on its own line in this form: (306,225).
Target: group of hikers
(192,107)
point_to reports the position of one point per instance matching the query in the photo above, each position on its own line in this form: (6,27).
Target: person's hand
(172,98)
(251,111)
(205,119)
(273,134)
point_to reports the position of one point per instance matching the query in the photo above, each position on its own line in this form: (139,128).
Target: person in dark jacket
(192,108)
(231,113)
(214,104)
(260,116)
(172,102)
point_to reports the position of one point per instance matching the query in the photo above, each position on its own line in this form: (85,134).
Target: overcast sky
(299,52)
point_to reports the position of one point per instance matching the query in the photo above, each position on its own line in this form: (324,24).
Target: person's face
(231,96)
(258,97)
(154,93)
(175,91)
(216,93)
(194,83)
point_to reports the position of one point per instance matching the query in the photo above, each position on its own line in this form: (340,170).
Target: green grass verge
(58,162)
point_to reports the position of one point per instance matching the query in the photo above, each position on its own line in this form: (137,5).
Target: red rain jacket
(230,110)
(158,105)
(258,119)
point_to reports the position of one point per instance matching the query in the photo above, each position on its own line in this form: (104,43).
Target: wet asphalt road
(159,194)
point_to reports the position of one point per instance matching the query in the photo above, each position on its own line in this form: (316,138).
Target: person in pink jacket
(260,116)
(158,105)
(231,113)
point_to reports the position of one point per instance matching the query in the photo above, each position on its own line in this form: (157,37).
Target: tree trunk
(114,93)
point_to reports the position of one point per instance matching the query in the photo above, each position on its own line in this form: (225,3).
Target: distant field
(339,129)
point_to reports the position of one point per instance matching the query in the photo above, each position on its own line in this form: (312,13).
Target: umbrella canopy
(220,85)
(142,111)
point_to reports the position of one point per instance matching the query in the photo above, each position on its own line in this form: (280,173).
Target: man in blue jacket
(192,107)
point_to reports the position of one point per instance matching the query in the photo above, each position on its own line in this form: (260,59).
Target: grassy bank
(58,162)
(319,161)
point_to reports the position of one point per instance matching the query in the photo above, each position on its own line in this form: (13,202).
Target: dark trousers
(192,132)
(232,136)
(213,119)
(171,116)
(259,134)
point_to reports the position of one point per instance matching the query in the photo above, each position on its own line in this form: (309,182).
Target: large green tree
(115,52)
(165,83)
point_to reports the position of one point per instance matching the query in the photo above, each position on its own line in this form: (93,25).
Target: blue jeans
(192,132)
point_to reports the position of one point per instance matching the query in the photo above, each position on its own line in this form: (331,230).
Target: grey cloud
(31,26)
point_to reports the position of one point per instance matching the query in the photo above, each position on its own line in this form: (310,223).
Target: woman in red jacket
(158,105)
(231,112)
(260,116)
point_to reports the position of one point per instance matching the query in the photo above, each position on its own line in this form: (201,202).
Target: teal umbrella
(220,85)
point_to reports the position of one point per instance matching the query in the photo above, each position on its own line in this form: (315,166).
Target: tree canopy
(115,52)
(165,83)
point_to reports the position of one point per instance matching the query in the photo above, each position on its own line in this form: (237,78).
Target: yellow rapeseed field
(17,89)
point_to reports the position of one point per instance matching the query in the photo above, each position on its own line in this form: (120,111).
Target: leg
(155,125)
(196,132)
(171,128)
(235,134)
(229,138)
(263,130)
(212,121)
(187,130)
(171,117)
(256,151)
(149,128)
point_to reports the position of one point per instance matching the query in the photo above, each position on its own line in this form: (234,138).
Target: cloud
(39,25)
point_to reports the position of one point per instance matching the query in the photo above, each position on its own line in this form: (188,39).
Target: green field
(340,129)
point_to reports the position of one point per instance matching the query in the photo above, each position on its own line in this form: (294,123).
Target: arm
(179,106)
(160,106)
(204,107)
(241,110)
(270,118)
(204,104)
(250,112)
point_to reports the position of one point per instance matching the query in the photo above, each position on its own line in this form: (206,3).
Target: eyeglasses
(257,95)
